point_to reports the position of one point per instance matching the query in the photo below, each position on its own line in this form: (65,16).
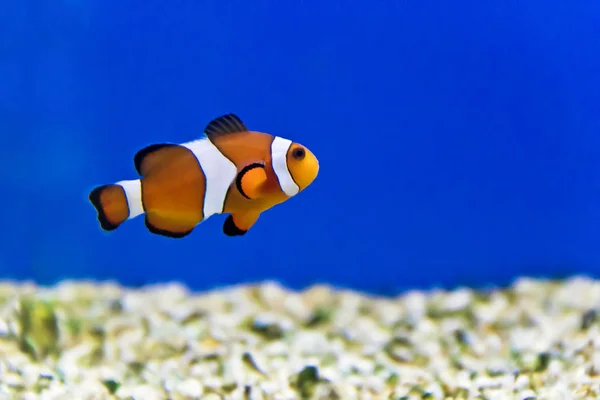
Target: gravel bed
(537,339)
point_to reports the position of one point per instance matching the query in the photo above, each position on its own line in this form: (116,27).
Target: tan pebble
(318,296)
(211,396)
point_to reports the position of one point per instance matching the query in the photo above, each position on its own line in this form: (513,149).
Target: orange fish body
(229,171)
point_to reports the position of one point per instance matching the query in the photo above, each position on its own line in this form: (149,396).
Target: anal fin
(168,227)
(239,224)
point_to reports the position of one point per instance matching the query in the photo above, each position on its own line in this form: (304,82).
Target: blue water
(459,142)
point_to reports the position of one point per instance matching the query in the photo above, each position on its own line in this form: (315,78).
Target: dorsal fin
(149,156)
(223,125)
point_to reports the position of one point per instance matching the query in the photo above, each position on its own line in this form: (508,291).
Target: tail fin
(116,203)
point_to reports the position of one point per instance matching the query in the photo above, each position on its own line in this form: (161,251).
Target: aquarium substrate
(537,339)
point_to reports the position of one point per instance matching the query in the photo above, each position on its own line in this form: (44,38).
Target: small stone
(457,300)
(588,318)
(310,343)
(307,381)
(318,296)
(269,327)
(273,295)
(190,388)
(251,363)
(321,315)
(212,396)
(530,340)
(13,380)
(111,385)
(4,328)
(522,382)
(527,395)
(146,392)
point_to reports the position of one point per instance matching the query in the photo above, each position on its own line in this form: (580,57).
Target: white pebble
(527,394)
(353,350)
(457,300)
(522,382)
(145,392)
(190,387)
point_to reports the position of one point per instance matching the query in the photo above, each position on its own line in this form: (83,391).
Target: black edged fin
(230,229)
(162,232)
(94,198)
(223,125)
(242,173)
(143,159)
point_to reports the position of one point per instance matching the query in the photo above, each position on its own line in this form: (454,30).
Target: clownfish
(230,170)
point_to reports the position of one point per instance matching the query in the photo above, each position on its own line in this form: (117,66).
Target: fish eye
(298,153)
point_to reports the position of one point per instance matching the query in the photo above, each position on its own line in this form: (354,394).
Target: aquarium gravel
(82,340)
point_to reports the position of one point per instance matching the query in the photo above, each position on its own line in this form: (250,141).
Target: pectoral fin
(251,179)
(239,224)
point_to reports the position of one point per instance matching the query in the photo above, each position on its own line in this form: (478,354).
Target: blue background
(458,141)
